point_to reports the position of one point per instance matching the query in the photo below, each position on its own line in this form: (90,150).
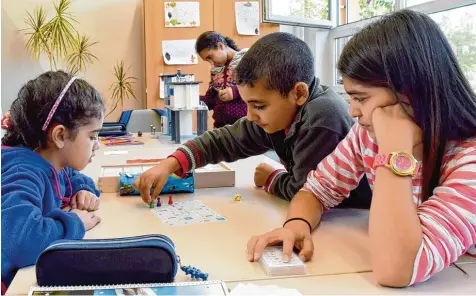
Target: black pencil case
(129,260)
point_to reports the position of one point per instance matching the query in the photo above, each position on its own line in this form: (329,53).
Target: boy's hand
(226,94)
(89,219)
(156,178)
(262,172)
(85,200)
(294,233)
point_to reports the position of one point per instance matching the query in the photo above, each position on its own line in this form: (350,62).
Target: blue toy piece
(194,273)
(204,276)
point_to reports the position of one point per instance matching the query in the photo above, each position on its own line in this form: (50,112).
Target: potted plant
(58,38)
(122,88)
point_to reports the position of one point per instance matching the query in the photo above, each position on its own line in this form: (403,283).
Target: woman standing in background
(222,95)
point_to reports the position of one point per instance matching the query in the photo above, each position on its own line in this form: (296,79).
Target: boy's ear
(58,136)
(301,91)
(221,46)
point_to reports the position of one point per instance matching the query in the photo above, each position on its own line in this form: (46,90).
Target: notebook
(183,288)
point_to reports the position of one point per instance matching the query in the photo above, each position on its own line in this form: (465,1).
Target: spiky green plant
(80,55)
(122,88)
(58,38)
(38,40)
(61,29)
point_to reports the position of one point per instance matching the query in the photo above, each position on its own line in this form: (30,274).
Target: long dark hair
(407,52)
(80,104)
(210,40)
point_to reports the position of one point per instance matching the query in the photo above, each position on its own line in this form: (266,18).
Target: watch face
(402,163)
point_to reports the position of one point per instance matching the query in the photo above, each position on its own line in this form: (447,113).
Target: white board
(247,17)
(179,52)
(182,14)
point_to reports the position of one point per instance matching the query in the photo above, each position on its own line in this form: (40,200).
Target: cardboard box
(211,176)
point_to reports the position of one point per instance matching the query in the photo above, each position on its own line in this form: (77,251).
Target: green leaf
(38,38)
(122,88)
(61,29)
(80,56)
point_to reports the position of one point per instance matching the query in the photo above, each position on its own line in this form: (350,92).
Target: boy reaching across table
(288,112)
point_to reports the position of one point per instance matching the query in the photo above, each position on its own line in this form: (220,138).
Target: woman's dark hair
(210,40)
(80,104)
(407,52)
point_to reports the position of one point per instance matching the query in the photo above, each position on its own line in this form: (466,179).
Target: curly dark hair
(80,104)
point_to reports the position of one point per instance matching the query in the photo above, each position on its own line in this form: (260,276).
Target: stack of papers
(251,289)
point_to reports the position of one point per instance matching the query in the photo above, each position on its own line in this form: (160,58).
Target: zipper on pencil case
(120,239)
(104,242)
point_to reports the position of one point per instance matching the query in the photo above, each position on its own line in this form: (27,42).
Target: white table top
(450,281)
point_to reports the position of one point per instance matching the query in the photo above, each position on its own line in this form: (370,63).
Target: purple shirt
(221,78)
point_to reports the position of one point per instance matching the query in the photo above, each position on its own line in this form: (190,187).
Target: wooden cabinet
(215,15)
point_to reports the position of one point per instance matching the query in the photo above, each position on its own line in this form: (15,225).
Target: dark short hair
(280,59)
(407,52)
(80,104)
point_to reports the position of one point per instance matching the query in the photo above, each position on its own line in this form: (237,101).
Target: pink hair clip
(58,101)
(6,121)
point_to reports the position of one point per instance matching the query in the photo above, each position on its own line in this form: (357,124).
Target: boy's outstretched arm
(229,143)
(312,146)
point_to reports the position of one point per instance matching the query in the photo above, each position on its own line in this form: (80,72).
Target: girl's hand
(395,130)
(226,94)
(90,220)
(293,234)
(85,200)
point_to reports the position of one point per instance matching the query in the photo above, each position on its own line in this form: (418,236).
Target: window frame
(299,21)
(350,29)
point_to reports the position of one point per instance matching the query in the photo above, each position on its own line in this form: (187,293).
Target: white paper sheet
(162,87)
(179,52)
(247,17)
(116,152)
(182,14)
(252,289)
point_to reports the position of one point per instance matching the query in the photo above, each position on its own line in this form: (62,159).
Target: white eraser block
(273,264)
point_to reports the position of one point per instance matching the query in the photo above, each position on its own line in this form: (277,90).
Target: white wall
(116,24)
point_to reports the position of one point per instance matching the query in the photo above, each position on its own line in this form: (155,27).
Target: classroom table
(450,281)
(340,242)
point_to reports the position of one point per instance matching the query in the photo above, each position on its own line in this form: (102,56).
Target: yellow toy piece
(237,197)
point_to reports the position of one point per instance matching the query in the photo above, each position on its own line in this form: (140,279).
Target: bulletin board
(217,15)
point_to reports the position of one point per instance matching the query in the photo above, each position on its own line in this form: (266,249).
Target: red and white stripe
(269,185)
(448,218)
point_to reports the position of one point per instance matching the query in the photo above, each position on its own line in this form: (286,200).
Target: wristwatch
(400,163)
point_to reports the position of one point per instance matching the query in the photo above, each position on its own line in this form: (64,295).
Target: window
(457,19)
(356,10)
(416,2)
(306,13)
(339,43)
(459,26)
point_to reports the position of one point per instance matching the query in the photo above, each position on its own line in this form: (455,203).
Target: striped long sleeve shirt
(448,217)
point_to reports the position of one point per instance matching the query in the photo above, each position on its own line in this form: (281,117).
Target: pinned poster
(247,17)
(179,52)
(182,14)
